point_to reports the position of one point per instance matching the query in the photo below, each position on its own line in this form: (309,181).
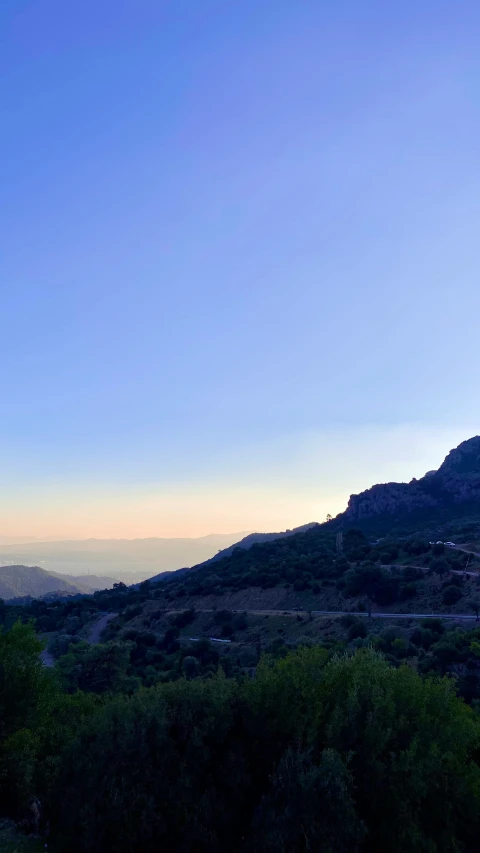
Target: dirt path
(465,550)
(98,627)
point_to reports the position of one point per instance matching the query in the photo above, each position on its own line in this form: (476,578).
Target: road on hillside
(427,569)
(98,627)
(92,637)
(374,614)
(465,550)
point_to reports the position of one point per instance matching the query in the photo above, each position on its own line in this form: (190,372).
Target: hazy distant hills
(128,560)
(20,581)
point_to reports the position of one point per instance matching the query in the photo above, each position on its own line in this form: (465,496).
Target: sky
(239,266)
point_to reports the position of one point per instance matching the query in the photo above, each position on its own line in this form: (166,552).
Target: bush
(190,666)
(185,618)
(347,620)
(451,595)
(408,590)
(440,566)
(436,625)
(239,622)
(222,616)
(357,629)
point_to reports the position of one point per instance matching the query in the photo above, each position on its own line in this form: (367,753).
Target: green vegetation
(308,561)
(194,728)
(319,751)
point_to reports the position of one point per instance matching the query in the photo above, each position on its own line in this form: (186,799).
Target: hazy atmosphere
(239,259)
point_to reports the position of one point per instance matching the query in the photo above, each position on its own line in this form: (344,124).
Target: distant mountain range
(129,560)
(32,581)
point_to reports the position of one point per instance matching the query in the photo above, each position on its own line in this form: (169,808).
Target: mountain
(129,560)
(443,504)
(254,538)
(86,583)
(20,581)
(246,543)
(456,482)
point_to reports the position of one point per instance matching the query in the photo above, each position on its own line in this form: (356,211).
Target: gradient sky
(240,267)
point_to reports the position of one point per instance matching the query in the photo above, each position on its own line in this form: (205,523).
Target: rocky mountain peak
(463,460)
(456,481)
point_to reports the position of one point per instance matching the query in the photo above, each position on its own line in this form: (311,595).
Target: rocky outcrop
(456,481)
(459,476)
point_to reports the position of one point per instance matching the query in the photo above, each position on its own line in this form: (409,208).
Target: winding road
(92,637)
(98,627)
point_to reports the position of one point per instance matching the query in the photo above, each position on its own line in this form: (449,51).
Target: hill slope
(20,581)
(254,538)
(443,504)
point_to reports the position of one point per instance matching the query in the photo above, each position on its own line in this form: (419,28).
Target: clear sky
(240,265)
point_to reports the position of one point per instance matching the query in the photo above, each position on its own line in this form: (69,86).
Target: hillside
(18,581)
(254,538)
(456,483)
(444,504)
(34,582)
(86,583)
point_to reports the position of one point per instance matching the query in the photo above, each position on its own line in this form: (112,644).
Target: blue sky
(239,257)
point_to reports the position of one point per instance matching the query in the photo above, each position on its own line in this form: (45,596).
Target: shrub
(357,629)
(239,622)
(451,595)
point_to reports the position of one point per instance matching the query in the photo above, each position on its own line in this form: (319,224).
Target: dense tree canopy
(317,752)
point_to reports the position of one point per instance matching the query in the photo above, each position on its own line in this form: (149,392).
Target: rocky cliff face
(457,481)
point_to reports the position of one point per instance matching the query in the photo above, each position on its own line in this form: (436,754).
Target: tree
(96,669)
(474,604)
(190,666)
(451,594)
(24,681)
(309,806)
(27,690)
(440,566)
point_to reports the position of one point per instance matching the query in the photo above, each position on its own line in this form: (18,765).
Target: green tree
(27,689)
(96,669)
(451,594)
(474,604)
(190,666)
(309,806)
